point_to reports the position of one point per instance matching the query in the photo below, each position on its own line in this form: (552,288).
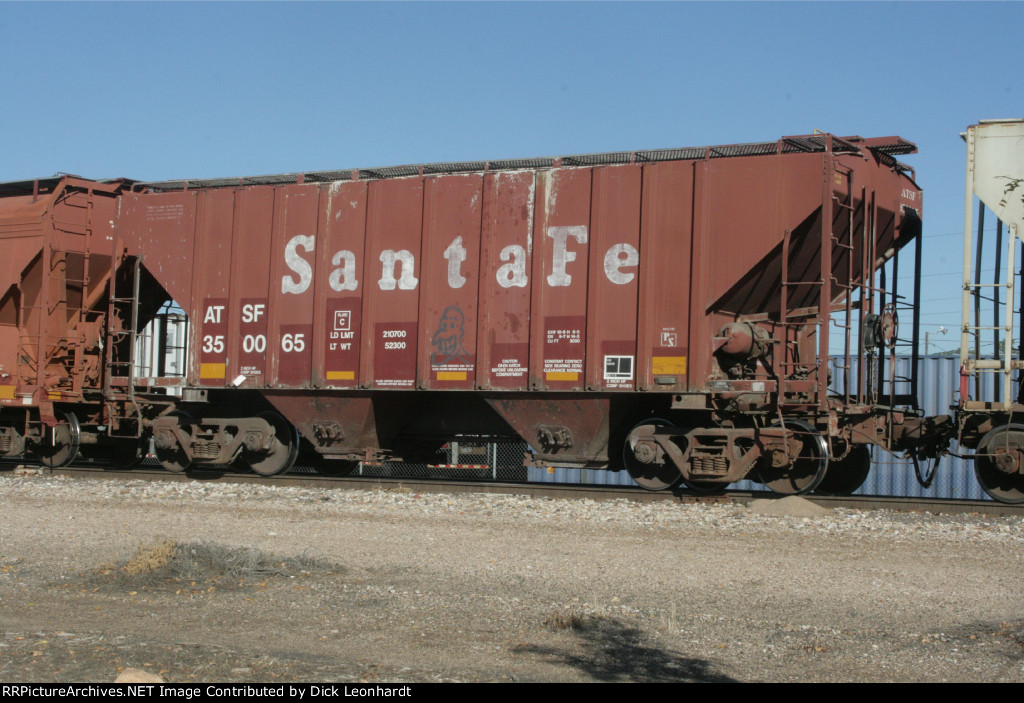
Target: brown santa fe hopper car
(665,312)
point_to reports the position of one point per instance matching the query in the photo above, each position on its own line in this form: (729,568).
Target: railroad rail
(536,490)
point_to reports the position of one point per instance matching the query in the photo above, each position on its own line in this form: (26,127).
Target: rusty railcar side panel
(558,315)
(211,286)
(294,239)
(450,281)
(391,334)
(21,233)
(249,299)
(506,253)
(613,296)
(777,193)
(342,278)
(738,251)
(55,269)
(161,229)
(665,277)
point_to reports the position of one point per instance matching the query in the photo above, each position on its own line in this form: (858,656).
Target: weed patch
(166,564)
(571,619)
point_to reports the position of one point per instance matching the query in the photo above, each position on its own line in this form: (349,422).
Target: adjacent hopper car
(668,313)
(993,426)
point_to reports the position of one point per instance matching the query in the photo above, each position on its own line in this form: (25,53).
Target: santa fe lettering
(398,268)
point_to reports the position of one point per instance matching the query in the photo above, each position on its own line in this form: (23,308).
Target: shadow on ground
(608,650)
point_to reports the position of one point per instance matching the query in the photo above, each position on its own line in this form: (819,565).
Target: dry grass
(150,558)
(570,619)
(202,564)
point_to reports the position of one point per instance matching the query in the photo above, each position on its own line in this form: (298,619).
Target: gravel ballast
(201,581)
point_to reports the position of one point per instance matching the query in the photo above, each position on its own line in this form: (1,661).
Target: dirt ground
(219,584)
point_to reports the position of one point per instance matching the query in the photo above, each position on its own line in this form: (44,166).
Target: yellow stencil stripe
(212,370)
(562,375)
(668,365)
(451,375)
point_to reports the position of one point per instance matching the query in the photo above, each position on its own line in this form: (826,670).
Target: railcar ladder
(1002,362)
(122,323)
(905,309)
(869,381)
(788,320)
(793,367)
(847,286)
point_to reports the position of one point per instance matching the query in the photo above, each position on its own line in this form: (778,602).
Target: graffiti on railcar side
(450,361)
(447,341)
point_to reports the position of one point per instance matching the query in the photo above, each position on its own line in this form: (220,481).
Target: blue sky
(168,90)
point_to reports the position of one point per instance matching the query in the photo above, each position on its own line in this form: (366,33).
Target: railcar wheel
(61,446)
(801,473)
(640,454)
(845,476)
(12,442)
(1001,470)
(283,450)
(172,456)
